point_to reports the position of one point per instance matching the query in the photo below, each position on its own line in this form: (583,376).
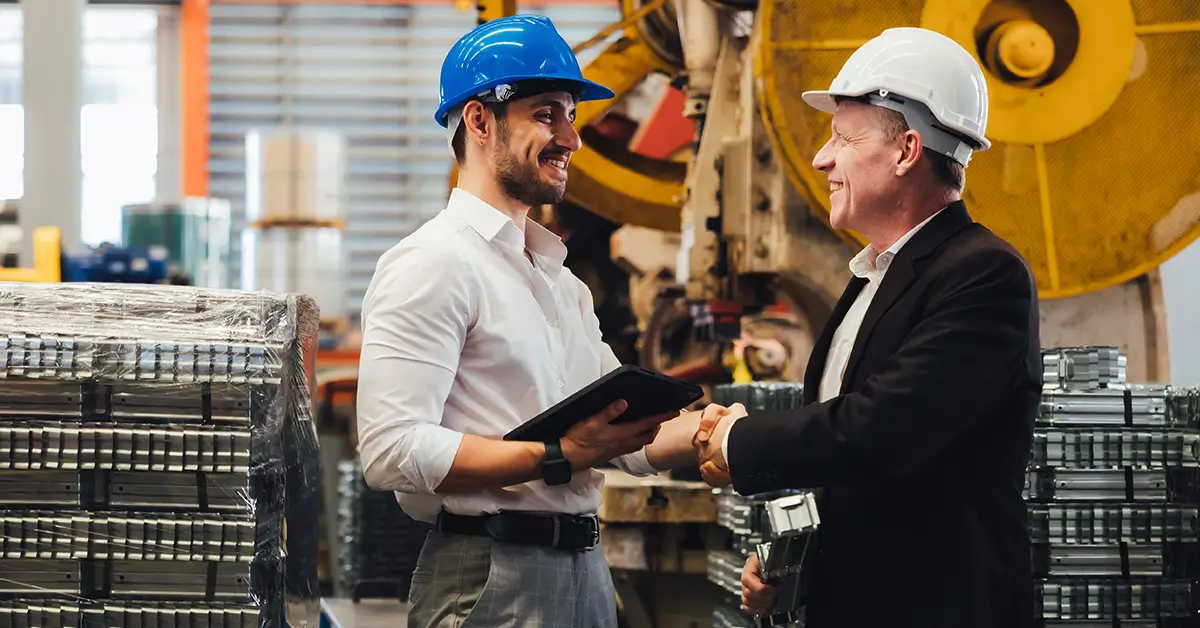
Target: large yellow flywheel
(1094,170)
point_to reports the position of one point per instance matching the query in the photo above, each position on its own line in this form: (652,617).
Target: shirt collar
(868,262)
(495,227)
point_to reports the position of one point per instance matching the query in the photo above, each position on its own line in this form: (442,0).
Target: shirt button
(560,383)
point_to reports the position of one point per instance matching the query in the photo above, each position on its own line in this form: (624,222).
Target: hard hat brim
(588,90)
(822,100)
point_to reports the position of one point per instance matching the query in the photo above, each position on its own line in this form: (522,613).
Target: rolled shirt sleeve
(415,318)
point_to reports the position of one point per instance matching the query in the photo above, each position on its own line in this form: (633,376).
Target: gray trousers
(475,582)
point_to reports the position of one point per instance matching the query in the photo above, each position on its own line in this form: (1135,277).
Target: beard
(521,179)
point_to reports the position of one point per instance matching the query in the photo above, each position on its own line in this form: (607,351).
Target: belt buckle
(590,536)
(578,533)
(593,531)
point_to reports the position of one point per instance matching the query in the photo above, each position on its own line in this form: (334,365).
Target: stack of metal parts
(747,517)
(1113,488)
(380,543)
(158,463)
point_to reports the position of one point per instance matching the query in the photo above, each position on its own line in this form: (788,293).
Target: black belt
(576,533)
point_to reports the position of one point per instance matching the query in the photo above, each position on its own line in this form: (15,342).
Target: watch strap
(556,469)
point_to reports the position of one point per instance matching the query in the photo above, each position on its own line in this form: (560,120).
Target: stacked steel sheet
(158,462)
(1112,486)
(380,543)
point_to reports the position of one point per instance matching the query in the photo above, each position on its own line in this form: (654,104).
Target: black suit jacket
(921,457)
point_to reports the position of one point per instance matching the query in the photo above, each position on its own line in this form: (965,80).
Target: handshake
(672,440)
(709,439)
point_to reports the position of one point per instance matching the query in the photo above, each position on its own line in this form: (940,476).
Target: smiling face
(534,143)
(862,160)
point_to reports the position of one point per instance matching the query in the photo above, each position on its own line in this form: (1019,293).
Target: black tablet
(648,393)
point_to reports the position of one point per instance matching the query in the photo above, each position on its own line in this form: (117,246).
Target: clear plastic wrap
(158,459)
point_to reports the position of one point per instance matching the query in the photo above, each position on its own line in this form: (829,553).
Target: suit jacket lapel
(901,273)
(820,350)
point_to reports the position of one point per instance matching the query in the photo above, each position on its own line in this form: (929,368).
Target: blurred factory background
(285,145)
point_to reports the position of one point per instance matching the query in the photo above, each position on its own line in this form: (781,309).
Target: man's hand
(757,596)
(709,438)
(674,447)
(596,439)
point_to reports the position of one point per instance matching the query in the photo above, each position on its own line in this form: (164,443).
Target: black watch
(556,470)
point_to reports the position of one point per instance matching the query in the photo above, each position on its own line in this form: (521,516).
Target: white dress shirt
(463,335)
(871,265)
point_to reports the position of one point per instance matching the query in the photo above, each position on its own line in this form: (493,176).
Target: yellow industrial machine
(1090,178)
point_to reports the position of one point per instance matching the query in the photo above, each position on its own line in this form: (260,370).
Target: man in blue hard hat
(472,326)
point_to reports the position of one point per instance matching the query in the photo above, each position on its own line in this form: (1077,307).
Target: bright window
(12,129)
(119,118)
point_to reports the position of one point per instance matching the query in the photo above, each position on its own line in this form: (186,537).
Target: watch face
(558,472)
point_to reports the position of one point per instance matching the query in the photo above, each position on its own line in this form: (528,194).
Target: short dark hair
(946,171)
(459,143)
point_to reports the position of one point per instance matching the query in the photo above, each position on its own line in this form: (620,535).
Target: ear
(476,120)
(910,152)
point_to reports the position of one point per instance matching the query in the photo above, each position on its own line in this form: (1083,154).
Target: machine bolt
(762,150)
(762,202)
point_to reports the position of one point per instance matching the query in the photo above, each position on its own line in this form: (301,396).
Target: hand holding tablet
(599,438)
(646,394)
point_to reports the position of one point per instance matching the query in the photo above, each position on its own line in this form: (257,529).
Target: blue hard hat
(501,53)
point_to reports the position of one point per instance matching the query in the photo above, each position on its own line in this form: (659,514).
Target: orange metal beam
(193,27)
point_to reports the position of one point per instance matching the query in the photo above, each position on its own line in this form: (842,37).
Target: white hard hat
(933,81)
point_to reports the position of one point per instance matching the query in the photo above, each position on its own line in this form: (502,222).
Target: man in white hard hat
(921,392)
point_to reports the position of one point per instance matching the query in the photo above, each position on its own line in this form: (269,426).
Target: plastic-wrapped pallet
(380,543)
(745,517)
(1113,487)
(158,462)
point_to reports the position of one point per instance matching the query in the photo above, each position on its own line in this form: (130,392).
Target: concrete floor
(344,613)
